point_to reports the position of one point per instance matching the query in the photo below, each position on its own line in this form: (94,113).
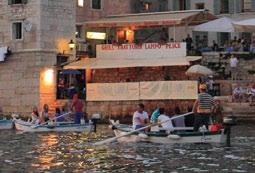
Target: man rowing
(203,108)
(140,117)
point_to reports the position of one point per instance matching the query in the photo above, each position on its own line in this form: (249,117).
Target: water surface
(74,152)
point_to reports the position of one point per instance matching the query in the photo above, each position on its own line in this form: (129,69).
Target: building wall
(109,7)
(53,25)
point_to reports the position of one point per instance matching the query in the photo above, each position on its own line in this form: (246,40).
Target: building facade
(36,32)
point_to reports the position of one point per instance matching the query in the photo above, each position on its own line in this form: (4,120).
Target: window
(80,3)
(200,6)
(69,82)
(224,6)
(17,30)
(147,6)
(78,31)
(246,5)
(182,5)
(10,2)
(96,4)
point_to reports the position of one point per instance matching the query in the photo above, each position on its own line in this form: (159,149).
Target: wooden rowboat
(6,124)
(180,135)
(55,127)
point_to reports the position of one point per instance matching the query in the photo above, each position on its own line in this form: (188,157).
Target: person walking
(203,108)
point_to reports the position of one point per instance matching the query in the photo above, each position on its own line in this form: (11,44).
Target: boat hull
(6,124)
(173,139)
(58,127)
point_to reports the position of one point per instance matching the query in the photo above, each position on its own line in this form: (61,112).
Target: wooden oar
(51,120)
(106,141)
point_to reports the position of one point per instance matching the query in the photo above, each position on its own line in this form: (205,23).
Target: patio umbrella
(247,25)
(199,70)
(223,24)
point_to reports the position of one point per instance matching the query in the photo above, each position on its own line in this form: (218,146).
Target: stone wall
(123,110)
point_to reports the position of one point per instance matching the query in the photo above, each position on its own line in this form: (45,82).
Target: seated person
(167,122)
(57,114)
(238,93)
(155,114)
(140,117)
(179,122)
(34,116)
(252,94)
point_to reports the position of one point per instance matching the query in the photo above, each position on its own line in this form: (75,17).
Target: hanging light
(71,44)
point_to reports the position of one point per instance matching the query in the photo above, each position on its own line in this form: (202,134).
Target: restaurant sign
(146,50)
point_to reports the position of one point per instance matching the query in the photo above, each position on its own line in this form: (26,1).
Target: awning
(245,25)
(172,18)
(104,63)
(223,24)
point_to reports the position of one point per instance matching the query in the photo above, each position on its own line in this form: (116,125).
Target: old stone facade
(46,26)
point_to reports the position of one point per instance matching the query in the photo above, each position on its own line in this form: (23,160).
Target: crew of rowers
(76,107)
(203,109)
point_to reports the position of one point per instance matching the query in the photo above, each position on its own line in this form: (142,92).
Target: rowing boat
(179,135)
(6,124)
(53,127)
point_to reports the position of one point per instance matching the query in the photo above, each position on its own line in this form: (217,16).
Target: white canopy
(245,25)
(223,24)
(104,63)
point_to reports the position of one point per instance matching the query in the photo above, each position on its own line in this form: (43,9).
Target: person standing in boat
(140,117)
(77,107)
(165,121)
(203,108)
(45,113)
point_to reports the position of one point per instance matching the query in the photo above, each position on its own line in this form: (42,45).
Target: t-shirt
(167,125)
(137,117)
(233,62)
(155,115)
(77,105)
(205,101)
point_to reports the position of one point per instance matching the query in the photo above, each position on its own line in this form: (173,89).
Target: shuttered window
(96,4)
(17,30)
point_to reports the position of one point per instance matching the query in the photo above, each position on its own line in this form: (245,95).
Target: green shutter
(231,6)
(9,2)
(217,7)
(24,1)
(188,5)
(253,4)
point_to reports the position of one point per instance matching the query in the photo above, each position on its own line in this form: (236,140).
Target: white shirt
(238,90)
(233,62)
(167,125)
(138,117)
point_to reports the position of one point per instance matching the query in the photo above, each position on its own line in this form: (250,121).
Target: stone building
(36,32)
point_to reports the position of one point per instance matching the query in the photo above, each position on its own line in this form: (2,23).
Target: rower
(156,114)
(167,125)
(140,117)
(203,108)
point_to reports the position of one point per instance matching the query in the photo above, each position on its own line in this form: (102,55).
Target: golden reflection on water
(45,159)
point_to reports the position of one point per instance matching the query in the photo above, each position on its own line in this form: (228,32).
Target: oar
(106,141)
(51,120)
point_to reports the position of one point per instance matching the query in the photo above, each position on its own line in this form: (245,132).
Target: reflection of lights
(48,76)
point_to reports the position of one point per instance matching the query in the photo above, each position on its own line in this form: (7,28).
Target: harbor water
(74,152)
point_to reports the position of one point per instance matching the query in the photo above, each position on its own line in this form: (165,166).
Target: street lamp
(71,44)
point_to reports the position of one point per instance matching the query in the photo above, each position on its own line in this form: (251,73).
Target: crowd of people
(206,110)
(244,94)
(60,115)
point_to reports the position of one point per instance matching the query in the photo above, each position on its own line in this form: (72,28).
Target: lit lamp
(71,44)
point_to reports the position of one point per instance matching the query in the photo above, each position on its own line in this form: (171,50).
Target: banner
(146,50)
(173,90)
(112,91)
(156,90)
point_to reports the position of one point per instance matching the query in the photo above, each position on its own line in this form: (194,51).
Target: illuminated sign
(96,35)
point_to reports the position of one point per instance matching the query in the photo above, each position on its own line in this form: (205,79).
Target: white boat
(6,124)
(180,135)
(54,127)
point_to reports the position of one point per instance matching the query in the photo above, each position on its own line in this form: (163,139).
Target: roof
(104,63)
(170,18)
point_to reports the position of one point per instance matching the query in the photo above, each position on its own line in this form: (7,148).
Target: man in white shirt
(238,93)
(140,117)
(167,125)
(233,66)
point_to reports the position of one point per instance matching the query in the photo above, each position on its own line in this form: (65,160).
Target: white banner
(112,91)
(146,50)
(173,90)
(157,90)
